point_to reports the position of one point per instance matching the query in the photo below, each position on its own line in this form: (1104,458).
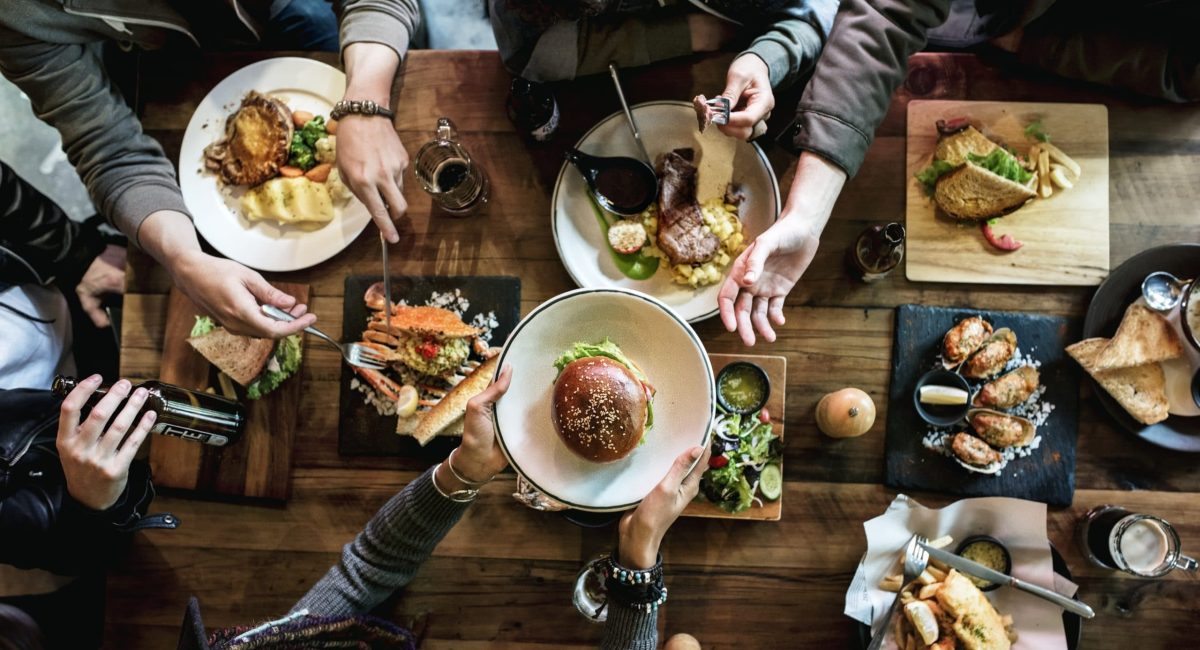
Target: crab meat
(375,298)
(380,382)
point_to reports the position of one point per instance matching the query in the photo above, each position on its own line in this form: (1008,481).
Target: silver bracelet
(457,496)
(462,479)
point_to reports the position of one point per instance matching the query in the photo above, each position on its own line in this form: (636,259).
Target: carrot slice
(291,172)
(300,118)
(319,173)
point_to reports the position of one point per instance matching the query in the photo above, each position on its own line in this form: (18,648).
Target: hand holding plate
(642,529)
(479,457)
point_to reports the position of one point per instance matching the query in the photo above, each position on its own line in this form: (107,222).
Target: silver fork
(355,354)
(916,559)
(720,106)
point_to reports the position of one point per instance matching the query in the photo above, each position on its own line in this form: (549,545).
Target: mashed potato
(721,219)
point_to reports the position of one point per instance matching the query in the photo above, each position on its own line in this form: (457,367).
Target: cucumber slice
(770,482)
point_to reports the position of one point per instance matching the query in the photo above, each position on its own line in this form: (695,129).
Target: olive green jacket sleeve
(390,22)
(864,61)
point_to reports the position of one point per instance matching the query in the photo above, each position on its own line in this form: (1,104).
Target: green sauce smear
(635,266)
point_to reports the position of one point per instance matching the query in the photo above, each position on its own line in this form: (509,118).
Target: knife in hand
(991,575)
(387,284)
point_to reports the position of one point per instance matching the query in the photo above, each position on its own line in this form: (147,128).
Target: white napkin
(1020,524)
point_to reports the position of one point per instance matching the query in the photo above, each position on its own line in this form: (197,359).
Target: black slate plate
(1047,475)
(361,430)
(1072,623)
(1122,287)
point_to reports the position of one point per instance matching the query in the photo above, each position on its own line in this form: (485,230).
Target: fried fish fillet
(257,141)
(976,624)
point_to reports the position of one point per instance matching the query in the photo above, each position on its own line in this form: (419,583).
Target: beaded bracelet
(640,589)
(462,479)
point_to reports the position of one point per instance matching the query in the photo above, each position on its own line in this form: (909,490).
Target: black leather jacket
(39,243)
(41,526)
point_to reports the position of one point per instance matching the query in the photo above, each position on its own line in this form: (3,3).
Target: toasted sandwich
(259,365)
(1140,390)
(973,178)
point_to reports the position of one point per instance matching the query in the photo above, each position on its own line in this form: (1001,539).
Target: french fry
(929,590)
(1062,158)
(906,597)
(1043,167)
(891,583)
(940,574)
(941,542)
(926,578)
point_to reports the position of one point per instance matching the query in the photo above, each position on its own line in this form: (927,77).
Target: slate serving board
(361,430)
(1048,474)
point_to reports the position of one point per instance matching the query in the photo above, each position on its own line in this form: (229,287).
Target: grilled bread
(954,148)
(448,415)
(977,624)
(241,357)
(972,193)
(1140,390)
(257,141)
(1143,337)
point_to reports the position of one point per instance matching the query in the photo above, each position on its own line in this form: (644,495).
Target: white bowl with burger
(609,387)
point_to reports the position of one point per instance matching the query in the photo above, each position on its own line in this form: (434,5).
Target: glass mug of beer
(1142,545)
(446,171)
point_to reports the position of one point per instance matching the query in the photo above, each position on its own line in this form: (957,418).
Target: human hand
(748,87)
(96,459)
(479,456)
(641,530)
(105,275)
(762,276)
(232,293)
(371,160)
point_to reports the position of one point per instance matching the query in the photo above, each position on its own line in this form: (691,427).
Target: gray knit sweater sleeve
(387,553)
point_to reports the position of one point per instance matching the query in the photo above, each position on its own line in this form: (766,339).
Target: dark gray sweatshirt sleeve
(387,553)
(629,629)
(126,172)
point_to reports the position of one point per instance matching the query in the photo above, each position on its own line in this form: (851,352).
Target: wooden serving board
(1048,474)
(260,464)
(1065,236)
(776,368)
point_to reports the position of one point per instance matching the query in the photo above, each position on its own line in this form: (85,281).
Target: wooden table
(502,578)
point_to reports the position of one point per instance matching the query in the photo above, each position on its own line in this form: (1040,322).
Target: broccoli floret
(302,155)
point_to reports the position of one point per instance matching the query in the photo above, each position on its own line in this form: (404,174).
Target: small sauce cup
(988,551)
(941,415)
(743,388)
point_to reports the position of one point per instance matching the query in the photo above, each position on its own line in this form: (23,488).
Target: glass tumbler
(446,171)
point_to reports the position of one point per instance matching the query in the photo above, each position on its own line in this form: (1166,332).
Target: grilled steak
(256,143)
(681,232)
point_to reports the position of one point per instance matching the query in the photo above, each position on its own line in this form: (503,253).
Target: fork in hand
(916,558)
(355,354)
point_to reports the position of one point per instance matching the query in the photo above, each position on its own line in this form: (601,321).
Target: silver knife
(991,575)
(387,284)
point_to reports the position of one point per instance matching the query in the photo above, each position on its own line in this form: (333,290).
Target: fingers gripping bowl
(666,350)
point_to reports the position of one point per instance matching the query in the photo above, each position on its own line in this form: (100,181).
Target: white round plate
(302,84)
(653,336)
(664,126)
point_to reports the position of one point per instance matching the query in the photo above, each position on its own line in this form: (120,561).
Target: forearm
(387,553)
(390,23)
(815,188)
(370,72)
(169,237)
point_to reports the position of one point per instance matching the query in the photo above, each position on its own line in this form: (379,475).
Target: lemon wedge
(922,620)
(943,395)
(406,401)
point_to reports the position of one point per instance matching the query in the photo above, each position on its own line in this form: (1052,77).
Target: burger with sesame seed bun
(602,402)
